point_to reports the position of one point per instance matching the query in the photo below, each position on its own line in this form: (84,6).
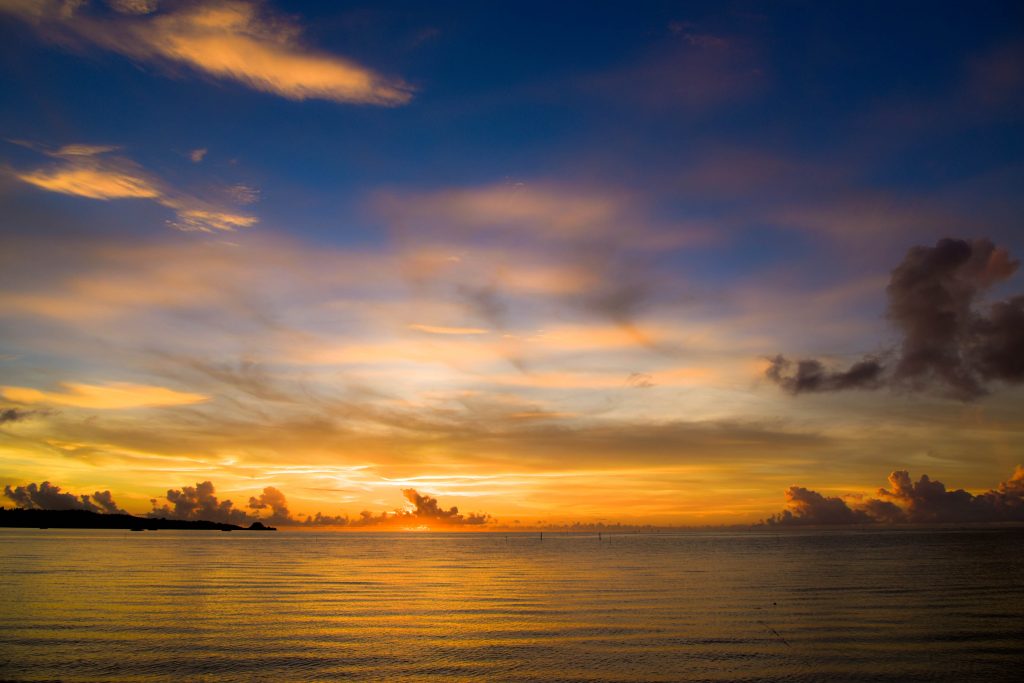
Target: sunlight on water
(844,605)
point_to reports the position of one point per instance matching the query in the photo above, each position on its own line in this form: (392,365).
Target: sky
(488,265)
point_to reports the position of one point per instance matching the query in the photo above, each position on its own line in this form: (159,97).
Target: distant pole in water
(542,535)
(599,535)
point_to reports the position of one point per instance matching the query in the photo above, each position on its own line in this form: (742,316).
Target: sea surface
(840,605)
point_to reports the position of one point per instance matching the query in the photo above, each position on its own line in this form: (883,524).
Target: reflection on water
(896,605)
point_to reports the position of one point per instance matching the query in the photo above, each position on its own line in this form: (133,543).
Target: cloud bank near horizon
(47,496)
(921,502)
(925,501)
(200,502)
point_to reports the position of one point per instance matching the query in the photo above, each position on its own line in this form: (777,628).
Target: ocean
(767,605)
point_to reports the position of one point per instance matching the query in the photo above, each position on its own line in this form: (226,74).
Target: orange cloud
(89,171)
(113,395)
(541,210)
(426,512)
(439,329)
(228,39)
(94,183)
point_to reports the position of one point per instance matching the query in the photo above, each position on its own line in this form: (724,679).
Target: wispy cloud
(234,40)
(108,396)
(440,329)
(93,172)
(695,72)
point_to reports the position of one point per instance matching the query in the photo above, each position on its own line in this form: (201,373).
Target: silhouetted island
(84,519)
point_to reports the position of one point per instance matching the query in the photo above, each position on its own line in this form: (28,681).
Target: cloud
(320,519)
(497,246)
(950,343)
(90,171)
(133,6)
(932,300)
(110,396)
(199,502)
(91,181)
(921,502)
(697,72)
(804,506)
(549,212)
(197,155)
(427,512)
(812,376)
(273,499)
(234,40)
(14,415)
(47,496)
(439,329)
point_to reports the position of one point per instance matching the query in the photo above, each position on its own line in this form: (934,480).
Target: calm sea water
(895,605)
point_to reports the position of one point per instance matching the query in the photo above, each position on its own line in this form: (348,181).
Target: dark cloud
(485,302)
(932,298)
(320,519)
(907,501)
(199,502)
(949,344)
(428,508)
(273,499)
(426,512)
(804,506)
(811,375)
(14,415)
(929,501)
(47,496)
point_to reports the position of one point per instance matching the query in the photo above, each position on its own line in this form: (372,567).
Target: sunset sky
(538,261)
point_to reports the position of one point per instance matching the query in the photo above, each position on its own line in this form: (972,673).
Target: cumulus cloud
(804,506)
(907,501)
(320,519)
(91,171)
(950,342)
(233,40)
(932,298)
(427,512)
(199,502)
(47,496)
(275,501)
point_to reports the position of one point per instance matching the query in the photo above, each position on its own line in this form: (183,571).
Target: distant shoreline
(85,519)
